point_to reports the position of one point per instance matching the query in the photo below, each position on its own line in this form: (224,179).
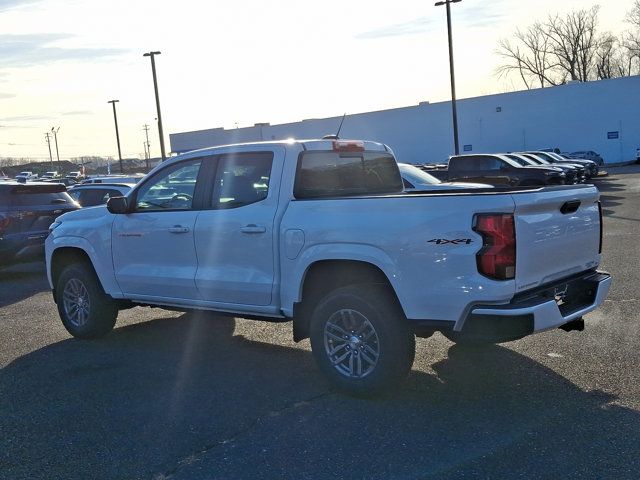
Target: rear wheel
(85,310)
(361,340)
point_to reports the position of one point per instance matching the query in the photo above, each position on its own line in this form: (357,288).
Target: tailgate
(557,234)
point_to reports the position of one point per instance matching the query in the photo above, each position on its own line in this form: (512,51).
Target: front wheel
(361,340)
(85,310)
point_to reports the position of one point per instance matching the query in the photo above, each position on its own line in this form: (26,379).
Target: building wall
(572,117)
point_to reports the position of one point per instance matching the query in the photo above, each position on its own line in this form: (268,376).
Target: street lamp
(55,136)
(453,77)
(115,119)
(155,87)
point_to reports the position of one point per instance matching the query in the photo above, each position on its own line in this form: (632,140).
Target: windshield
(520,160)
(416,176)
(536,159)
(545,156)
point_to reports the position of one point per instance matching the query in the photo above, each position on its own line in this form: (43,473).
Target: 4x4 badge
(457,241)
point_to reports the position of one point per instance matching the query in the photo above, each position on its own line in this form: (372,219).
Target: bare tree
(529,57)
(564,48)
(573,41)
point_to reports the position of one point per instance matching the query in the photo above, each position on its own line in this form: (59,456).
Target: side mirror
(118,205)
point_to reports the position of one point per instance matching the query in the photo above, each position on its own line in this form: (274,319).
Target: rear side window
(242,179)
(332,174)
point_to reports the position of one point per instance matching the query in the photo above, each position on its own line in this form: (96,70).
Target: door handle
(252,228)
(178,229)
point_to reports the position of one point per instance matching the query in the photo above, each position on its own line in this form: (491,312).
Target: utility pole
(55,136)
(115,119)
(155,87)
(49,145)
(454,110)
(147,149)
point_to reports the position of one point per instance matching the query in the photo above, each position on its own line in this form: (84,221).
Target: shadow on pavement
(164,395)
(19,282)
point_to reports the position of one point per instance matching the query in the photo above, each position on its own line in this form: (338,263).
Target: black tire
(85,310)
(370,308)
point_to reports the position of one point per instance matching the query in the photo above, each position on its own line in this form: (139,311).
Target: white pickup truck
(320,232)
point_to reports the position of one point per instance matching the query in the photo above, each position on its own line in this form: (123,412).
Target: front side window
(241,179)
(170,189)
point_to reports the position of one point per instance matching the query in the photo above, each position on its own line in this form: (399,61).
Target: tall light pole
(55,136)
(115,119)
(47,136)
(155,87)
(454,110)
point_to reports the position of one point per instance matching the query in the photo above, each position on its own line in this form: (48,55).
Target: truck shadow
(161,395)
(19,282)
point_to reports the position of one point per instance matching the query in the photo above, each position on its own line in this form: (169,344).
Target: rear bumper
(540,309)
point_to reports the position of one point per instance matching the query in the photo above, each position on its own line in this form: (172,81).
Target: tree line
(571,47)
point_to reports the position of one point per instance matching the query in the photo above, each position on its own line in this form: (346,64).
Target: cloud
(77,112)
(412,27)
(10,4)
(472,16)
(485,15)
(36,49)
(26,118)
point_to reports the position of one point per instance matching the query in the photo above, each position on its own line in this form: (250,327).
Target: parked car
(571,174)
(76,175)
(588,155)
(115,179)
(417,179)
(26,176)
(51,174)
(90,195)
(26,211)
(500,170)
(321,233)
(578,170)
(67,182)
(590,167)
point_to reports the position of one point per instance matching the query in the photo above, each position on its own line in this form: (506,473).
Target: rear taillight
(601,227)
(497,259)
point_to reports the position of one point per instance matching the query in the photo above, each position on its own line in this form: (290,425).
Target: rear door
(557,234)
(235,236)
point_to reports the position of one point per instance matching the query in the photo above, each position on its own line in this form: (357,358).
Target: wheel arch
(323,276)
(67,254)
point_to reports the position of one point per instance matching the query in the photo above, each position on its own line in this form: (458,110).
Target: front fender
(101,262)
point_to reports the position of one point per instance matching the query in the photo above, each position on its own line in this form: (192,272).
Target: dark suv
(500,170)
(26,211)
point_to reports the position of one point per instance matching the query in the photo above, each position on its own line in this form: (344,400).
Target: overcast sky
(238,62)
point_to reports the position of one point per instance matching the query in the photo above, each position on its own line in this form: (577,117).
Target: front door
(153,246)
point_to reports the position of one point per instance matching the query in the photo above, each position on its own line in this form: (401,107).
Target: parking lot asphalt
(193,396)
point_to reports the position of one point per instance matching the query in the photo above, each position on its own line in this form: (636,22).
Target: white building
(603,116)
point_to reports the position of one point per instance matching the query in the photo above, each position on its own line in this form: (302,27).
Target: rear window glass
(332,174)
(38,195)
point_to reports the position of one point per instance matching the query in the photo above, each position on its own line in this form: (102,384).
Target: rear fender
(291,291)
